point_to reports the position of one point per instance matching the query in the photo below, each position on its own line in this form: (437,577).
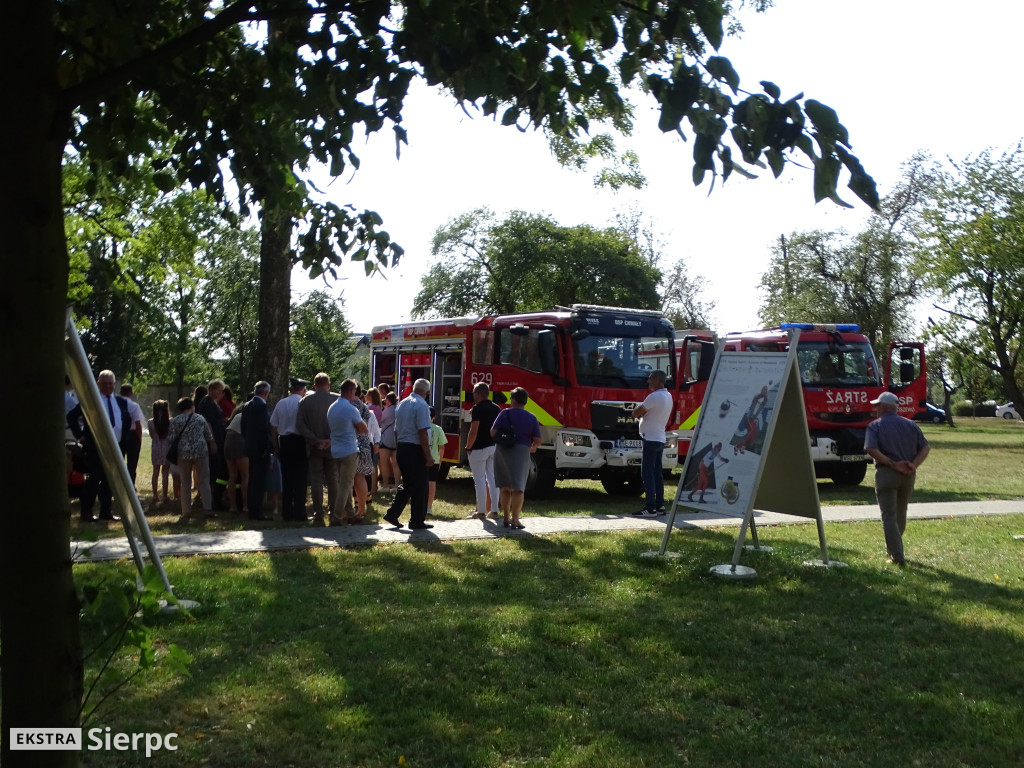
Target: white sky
(903,75)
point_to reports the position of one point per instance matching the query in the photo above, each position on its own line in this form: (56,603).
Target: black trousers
(96,484)
(294,477)
(132,448)
(257,483)
(415,484)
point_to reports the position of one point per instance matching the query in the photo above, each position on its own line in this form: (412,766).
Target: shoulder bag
(506,436)
(172,449)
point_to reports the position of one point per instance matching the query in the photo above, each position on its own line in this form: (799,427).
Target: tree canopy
(527,262)
(972,259)
(115,82)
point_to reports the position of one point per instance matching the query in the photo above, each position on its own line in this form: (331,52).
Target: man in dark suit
(256,431)
(96,485)
(209,408)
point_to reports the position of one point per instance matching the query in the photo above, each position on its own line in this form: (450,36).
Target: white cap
(886,398)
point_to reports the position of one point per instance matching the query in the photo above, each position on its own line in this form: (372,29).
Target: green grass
(980,459)
(572,650)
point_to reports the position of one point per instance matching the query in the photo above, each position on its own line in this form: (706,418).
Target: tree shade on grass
(574,651)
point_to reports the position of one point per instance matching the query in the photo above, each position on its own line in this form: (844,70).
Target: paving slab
(308,537)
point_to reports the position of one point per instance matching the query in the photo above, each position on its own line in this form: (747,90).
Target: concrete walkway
(220,542)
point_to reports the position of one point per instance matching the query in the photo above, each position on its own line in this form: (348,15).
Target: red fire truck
(840,378)
(585,368)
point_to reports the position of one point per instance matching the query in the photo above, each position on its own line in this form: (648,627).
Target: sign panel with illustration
(726,451)
(751,448)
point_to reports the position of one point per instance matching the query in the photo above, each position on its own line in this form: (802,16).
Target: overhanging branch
(236,13)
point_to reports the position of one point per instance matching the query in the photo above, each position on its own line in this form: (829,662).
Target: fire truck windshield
(623,362)
(850,364)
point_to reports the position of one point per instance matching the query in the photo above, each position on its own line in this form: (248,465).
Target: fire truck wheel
(622,483)
(541,480)
(849,474)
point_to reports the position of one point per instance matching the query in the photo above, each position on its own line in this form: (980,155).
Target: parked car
(1007,411)
(931,413)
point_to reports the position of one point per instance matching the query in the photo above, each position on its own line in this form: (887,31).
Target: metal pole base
(823,564)
(756,548)
(170,608)
(734,572)
(654,553)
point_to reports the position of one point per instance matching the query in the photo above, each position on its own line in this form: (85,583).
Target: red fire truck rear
(840,378)
(585,368)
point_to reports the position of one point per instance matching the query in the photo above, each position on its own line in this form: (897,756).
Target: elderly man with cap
(898,447)
(290,446)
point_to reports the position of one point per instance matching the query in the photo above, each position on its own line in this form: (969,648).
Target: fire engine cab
(585,368)
(840,378)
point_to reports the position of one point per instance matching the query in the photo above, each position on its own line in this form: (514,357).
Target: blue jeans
(650,473)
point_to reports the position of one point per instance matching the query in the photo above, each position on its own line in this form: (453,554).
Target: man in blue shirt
(898,447)
(412,429)
(345,423)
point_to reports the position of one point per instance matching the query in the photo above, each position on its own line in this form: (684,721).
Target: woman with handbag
(516,432)
(191,443)
(390,475)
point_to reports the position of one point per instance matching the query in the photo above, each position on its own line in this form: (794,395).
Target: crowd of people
(260,461)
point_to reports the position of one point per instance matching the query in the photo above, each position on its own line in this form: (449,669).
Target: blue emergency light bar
(829,327)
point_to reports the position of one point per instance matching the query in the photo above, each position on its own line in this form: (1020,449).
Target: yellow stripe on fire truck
(545,418)
(691,422)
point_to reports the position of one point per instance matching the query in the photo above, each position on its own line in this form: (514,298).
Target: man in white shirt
(290,447)
(654,414)
(96,485)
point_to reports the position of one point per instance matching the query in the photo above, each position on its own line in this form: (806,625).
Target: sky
(903,75)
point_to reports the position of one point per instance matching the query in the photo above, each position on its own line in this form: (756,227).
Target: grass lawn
(571,650)
(980,459)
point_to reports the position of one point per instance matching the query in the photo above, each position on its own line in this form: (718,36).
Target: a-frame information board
(751,448)
(133,519)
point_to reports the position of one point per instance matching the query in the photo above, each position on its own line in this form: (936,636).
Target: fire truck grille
(611,422)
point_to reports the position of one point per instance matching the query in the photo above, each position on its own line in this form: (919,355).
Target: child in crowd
(159,426)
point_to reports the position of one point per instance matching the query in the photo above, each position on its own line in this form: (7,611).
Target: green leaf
(709,15)
(721,69)
(771,89)
(826,122)
(165,181)
(826,176)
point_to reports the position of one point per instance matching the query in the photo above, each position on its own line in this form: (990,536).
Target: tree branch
(236,13)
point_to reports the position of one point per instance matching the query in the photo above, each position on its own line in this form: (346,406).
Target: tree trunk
(41,664)
(272,348)
(948,406)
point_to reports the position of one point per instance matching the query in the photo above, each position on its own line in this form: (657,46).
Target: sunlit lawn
(571,650)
